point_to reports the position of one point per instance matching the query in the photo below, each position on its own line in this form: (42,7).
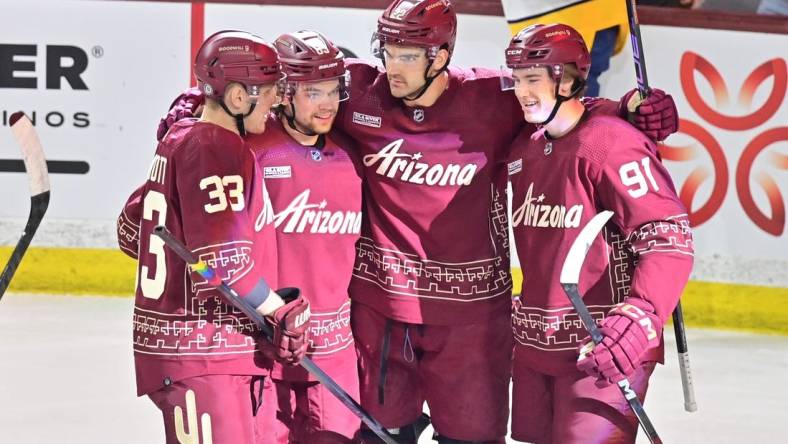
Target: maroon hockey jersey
(645,251)
(316,198)
(434,242)
(204,186)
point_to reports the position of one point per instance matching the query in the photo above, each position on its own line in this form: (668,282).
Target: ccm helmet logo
(514,51)
(234,48)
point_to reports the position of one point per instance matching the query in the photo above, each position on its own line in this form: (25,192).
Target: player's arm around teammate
(435,172)
(194,356)
(577,164)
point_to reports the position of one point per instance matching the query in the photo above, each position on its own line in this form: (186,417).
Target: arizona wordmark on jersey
(434,246)
(300,216)
(409,168)
(535,212)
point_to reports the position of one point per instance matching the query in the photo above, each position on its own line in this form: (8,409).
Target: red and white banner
(729,160)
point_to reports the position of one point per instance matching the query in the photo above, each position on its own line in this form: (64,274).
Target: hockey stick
(637,50)
(36,167)
(570,276)
(232,298)
(678,319)
(684,365)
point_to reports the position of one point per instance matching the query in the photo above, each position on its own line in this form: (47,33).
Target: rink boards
(729,161)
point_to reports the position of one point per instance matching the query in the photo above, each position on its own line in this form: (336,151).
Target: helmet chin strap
(239,118)
(559,100)
(427,81)
(321,138)
(292,123)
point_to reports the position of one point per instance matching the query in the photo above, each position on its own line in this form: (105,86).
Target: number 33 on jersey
(214,199)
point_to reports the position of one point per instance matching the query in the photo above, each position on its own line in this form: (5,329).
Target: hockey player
(196,357)
(431,288)
(315,188)
(578,164)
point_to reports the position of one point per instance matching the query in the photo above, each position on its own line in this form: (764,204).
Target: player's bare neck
(301,138)
(568,116)
(217,116)
(434,92)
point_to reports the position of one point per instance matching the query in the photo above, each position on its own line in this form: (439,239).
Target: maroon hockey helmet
(235,56)
(551,46)
(308,56)
(430,24)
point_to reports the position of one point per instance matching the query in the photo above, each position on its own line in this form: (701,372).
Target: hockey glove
(629,330)
(188,104)
(291,328)
(656,116)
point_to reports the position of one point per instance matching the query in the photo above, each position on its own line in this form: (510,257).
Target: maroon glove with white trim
(656,116)
(629,330)
(188,104)
(291,328)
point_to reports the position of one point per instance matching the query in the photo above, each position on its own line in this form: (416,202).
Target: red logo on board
(691,63)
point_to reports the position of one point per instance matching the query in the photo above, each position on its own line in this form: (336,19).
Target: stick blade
(570,272)
(32,153)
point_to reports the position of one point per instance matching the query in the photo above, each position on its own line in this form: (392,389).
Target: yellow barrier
(110,272)
(73,271)
(729,306)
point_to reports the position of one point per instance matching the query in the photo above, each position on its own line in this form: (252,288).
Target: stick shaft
(687,385)
(637,50)
(232,297)
(623,385)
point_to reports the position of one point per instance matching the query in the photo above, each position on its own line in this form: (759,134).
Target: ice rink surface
(67,376)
